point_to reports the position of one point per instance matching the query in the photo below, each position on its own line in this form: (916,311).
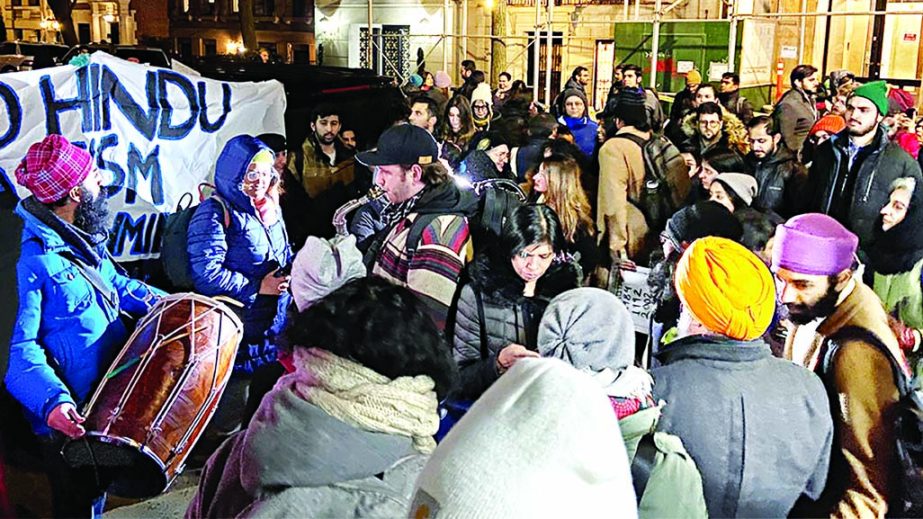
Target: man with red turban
(842,334)
(758,427)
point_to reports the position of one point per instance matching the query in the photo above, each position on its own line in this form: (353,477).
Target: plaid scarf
(394,213)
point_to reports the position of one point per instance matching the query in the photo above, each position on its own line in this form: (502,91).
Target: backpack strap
(225,210)
(643,464)
(481,324)
(420,223)
(833,345)
(633,138)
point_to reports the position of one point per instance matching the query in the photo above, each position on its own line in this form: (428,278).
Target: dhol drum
(159,394)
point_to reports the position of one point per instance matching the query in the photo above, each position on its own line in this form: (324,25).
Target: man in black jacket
(732,100)
(852,172)
(778,173)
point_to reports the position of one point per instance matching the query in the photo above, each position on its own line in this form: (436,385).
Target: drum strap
(92,275)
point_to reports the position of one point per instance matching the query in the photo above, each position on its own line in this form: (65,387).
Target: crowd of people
(461,351)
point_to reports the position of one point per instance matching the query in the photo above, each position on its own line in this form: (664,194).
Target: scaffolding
(544,28)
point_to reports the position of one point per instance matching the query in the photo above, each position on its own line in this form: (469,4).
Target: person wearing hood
(896,261)
(489,161)
(759,449)
(710,126)
(425,244)
(67,330)
(780,177)
(347,432)
(239,248)
(543,442)
(592,330)
(851,175)
(574,110)
(511,283)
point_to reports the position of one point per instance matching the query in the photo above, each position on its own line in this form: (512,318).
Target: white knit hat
(482,93)
(323,266)
(541,442)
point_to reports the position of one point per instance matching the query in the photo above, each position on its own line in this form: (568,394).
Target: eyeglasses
(710,124)
(255,174)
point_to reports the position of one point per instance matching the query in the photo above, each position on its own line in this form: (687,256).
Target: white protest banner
(638,297)
(154,133)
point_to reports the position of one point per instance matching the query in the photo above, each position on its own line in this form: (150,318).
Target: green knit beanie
(876,92)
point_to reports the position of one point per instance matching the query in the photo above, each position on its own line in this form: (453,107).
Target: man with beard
(852,172)
(778,173)
(796,112)
(321,161)
(71,294)
(841,333)
(425,243)
(732,100)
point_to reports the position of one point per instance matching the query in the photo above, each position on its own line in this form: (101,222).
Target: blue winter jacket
(232,261)
(66,334)
(584,131)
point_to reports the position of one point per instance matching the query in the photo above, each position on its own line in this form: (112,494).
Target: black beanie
(700,220)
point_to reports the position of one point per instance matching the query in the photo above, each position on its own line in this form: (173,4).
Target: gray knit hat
(323,266)
(590,328)
(741,184)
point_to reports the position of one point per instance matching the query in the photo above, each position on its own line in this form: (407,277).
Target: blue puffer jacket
(232,262)
(66,334)
(584,131)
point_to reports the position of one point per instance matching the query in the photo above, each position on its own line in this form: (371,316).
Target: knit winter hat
(442,79)
(415,80)
(52,167)
(702,219)
(588,328)
(830,123)
(322,266)
(482,93)
(876,92)
(727,288)
(814,244)
(693,77)
(741,184)
(541,442)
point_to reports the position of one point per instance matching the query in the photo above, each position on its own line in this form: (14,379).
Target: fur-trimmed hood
(498,283)
(735,130)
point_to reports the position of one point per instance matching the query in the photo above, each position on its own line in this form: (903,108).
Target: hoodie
(232,261)
(286,464)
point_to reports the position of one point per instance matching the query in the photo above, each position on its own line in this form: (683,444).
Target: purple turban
(814,244)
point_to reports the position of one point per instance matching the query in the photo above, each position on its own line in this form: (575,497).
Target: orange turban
(726,288)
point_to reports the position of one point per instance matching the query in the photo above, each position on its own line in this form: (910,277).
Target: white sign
(605,59)
(788,52)
(637,297)
(756,59)
(683,67)
(716,69)
(154,133)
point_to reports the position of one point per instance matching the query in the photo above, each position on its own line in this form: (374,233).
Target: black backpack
(666,180)
(174,255)
(908,427)
(498,198)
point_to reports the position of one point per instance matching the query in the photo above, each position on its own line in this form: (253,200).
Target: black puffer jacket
(779,178)
(509,317)
(868,190)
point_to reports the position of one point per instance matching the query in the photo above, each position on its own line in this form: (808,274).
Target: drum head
(134,472)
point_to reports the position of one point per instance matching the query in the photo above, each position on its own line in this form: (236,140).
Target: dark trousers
(75,492)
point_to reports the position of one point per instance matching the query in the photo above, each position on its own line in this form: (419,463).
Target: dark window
(299,8)
(185,47)
(264,7)
(211,47)
(301,53)
(83,32)
(114,33)
(16,3)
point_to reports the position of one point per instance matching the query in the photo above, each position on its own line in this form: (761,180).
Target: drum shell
(159,394)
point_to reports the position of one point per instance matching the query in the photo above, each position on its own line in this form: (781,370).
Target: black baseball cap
(402,144)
